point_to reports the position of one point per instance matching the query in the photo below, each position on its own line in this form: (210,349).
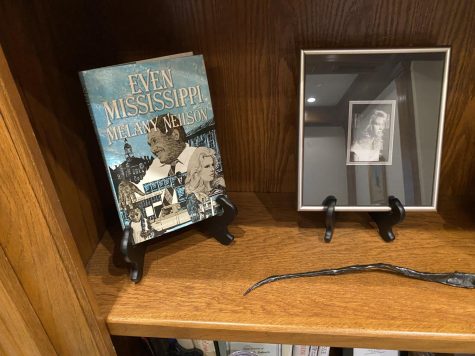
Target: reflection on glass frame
(371,125)
(377,185)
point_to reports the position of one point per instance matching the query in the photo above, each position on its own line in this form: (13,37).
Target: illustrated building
(133,168)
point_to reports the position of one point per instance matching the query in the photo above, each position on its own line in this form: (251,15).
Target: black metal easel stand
(329,203)
(216,226)
(384,219)
(387,219)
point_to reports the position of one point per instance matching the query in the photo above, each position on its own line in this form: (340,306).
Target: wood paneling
(21,330)
(193,286)
(48,43)
(251,49)
(36,238)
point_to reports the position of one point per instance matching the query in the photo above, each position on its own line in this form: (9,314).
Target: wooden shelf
(192,286)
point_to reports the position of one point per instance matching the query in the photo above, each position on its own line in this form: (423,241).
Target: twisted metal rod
(454,279)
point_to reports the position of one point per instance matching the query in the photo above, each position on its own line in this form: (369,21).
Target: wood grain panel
(40,43)
(21,330)
(252,54)
(192,286)
(37,240)
(251,50)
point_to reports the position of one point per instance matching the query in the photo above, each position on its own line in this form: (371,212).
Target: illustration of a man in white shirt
(168,145)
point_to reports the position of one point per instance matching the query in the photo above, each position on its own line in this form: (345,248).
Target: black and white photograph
(370,132)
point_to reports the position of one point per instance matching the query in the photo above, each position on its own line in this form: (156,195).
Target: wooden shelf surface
(193,286)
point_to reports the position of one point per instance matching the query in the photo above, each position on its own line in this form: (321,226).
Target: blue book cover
(155,125)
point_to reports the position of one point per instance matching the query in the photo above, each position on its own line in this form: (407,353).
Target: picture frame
(371,126)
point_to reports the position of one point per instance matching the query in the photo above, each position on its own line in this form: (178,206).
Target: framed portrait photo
(370,132)
(370,126)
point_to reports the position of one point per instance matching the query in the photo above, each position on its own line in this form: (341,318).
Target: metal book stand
(216,226)
(384,219)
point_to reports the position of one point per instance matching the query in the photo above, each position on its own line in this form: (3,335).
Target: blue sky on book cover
(125,102)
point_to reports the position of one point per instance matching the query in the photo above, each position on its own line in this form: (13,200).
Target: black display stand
(329,203)
(384,219)
(387,219)
(216,226)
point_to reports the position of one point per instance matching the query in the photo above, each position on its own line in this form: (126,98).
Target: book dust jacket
(155,125)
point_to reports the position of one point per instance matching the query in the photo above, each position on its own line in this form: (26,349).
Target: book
(323,350)
(300,350)
(206,346)
(374,352)
(186,343)
(155,125)
(313,351)
(286,350)
(252,349)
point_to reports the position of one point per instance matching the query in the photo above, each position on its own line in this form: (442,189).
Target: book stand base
(384,219)
(216,226)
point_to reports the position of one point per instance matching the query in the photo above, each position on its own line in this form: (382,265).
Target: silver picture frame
(409,145)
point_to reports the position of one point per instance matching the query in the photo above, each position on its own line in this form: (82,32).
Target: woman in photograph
(368,145)
(201,179)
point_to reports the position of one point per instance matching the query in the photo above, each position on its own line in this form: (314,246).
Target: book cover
(155,125)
